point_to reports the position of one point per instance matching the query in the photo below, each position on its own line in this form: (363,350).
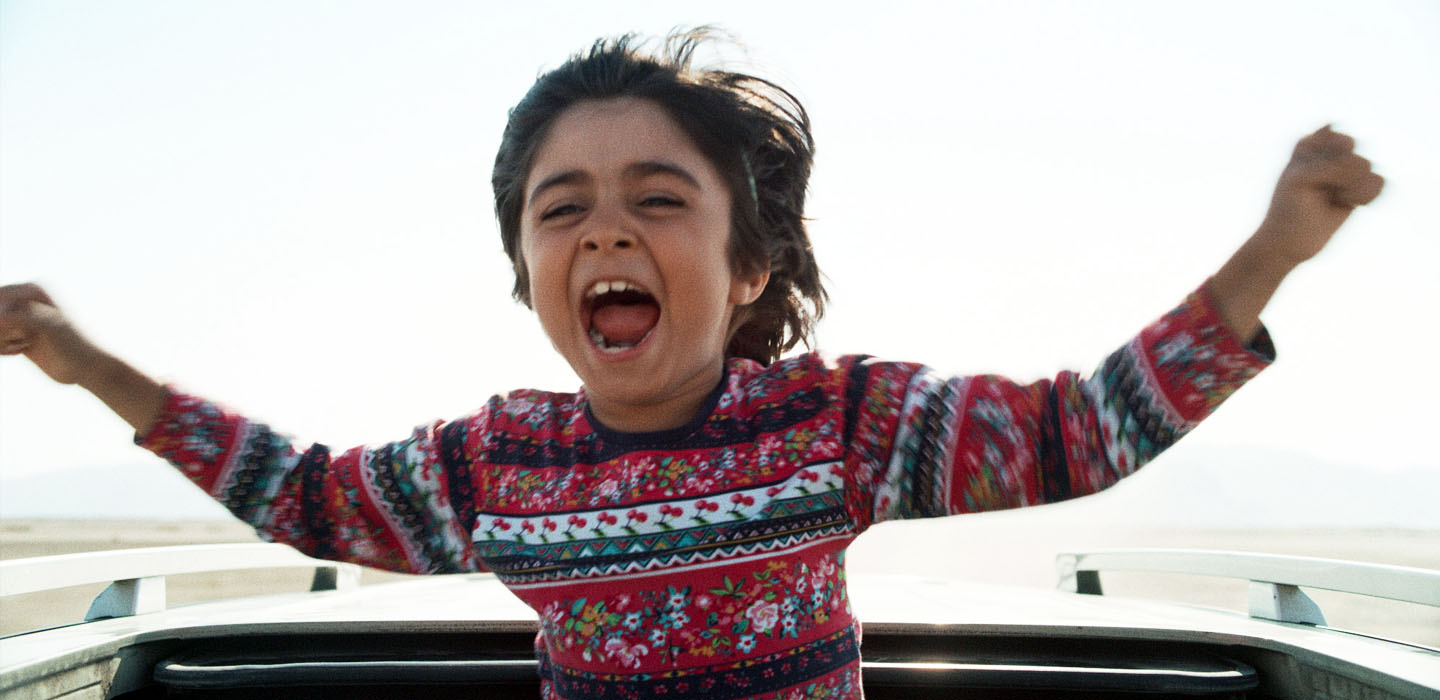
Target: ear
(745,290)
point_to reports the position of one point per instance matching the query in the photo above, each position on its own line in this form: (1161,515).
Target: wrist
(95,370)
(1266,252)
(130,393)
(1247,281)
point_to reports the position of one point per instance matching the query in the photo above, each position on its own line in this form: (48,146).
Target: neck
(666,413)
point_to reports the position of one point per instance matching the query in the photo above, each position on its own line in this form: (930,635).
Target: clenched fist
(32,324)
(1324,181)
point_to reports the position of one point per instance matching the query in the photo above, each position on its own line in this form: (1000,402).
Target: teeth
(596,337)
(599,341)
(609,286)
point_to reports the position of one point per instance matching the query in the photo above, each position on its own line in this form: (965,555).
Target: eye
(660,200)
(559,210)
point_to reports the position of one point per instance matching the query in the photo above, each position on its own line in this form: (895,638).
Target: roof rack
(137,576)
(1274,579)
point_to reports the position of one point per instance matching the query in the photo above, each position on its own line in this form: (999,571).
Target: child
(680,522)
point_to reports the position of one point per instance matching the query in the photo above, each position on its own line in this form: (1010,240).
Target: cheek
(532,257)
(536,295)
(547,273)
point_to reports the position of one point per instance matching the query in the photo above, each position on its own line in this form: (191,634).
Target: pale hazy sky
(286,206)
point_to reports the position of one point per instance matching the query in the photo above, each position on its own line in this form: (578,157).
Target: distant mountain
(1196,486)
(146,490)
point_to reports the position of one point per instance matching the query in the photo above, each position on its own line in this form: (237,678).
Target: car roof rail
(137,576)
(1275,580)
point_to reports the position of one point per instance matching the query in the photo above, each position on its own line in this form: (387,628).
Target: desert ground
(1002,549)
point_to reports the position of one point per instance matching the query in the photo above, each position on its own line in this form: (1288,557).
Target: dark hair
(755,134)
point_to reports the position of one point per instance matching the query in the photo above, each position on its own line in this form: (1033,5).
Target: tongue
(625,324)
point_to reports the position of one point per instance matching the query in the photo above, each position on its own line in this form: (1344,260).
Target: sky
(286,207)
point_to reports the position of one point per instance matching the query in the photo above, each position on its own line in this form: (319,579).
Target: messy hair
(756,135)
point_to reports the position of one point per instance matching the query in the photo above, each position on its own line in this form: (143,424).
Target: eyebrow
(659,167)
(634,170)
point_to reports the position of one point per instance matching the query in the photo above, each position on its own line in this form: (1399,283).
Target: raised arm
(984,443)
(1323,183)
(393,506)
(927,445)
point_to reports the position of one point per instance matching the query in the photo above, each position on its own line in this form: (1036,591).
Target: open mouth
(619,315)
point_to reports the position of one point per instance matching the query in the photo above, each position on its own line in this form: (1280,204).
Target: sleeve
(405,506)
(921,445)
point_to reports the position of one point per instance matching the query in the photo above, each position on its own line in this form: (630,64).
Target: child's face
(619,193)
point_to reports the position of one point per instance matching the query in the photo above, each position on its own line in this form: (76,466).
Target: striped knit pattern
(709,559)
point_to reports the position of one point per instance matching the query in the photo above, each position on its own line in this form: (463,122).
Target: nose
(607,238)
(607,232)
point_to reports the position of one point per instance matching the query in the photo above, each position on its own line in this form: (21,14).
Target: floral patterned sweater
(709,559)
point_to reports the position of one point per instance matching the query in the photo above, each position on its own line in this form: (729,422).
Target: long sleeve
(923,445)
(404,506)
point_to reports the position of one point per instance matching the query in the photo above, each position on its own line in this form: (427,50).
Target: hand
(1324,181)
(32,324)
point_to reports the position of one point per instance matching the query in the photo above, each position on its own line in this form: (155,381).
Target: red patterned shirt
(709,559)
